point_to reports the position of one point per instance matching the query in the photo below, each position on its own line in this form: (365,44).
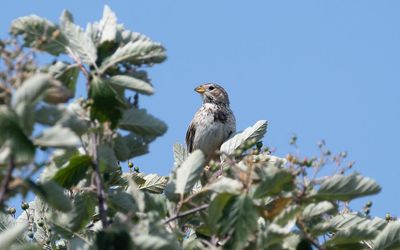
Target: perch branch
(7,179)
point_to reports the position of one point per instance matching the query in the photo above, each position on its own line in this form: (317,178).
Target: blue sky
(320,69)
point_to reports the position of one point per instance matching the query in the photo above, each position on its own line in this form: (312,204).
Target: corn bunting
(213,123)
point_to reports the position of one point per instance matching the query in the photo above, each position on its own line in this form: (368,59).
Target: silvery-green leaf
(107,28)
(13,139)
(340,187)
(155,242)
(142,123)
(180,154)
(137,195)
(317,209)
(344,221)
(39,33)
(8,237)
(53,194)
(26,97)
(287,214)
(189,172)
(389,237)
(138,52)
(255,132)
(79,44)
(33,89)
(226,185)
(352,228)
(132,84)
(154,183)
(57,136)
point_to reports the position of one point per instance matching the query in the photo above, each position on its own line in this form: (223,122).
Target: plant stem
(7,179)
(186,213)
(98,183)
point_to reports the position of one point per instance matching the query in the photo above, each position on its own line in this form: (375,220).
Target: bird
(212,124)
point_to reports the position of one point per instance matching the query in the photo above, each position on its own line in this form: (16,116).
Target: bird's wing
(190,137)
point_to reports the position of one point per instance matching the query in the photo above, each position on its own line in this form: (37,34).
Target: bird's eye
(211,88)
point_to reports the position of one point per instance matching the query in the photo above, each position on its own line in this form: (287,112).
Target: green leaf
(216,208)
(106,104)
(389,237)
(138,121)
(255,132)
(58,137)
(8,237)
(13,137)
(273,181)
(154,183)
(131,145)
(82,212)
(132,83)
(53,194)
(79,44)
(345,188)
(225,185)
(39,33)
(74,171)
(123,202)
(317,209)
(138,52)
(239,221)
(189,172)
(107,157)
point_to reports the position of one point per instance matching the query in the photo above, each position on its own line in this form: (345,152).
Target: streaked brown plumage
(213,123)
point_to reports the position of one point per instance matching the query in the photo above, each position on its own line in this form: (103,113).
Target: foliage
(250,199)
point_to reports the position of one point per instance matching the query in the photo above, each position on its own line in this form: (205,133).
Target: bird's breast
(214,126)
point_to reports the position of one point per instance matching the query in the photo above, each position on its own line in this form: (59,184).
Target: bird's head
(213,93)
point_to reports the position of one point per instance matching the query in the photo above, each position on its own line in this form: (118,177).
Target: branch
(99,184)
(186,213)
(7,179)
(311,239)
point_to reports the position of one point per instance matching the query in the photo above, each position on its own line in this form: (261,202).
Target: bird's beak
(200,89)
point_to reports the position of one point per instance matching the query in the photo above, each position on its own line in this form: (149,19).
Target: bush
(251,199)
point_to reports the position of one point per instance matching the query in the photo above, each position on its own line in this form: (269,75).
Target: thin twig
(7,179)
(186,213)
(99,184)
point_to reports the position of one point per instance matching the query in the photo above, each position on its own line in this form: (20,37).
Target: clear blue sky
(321,69)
